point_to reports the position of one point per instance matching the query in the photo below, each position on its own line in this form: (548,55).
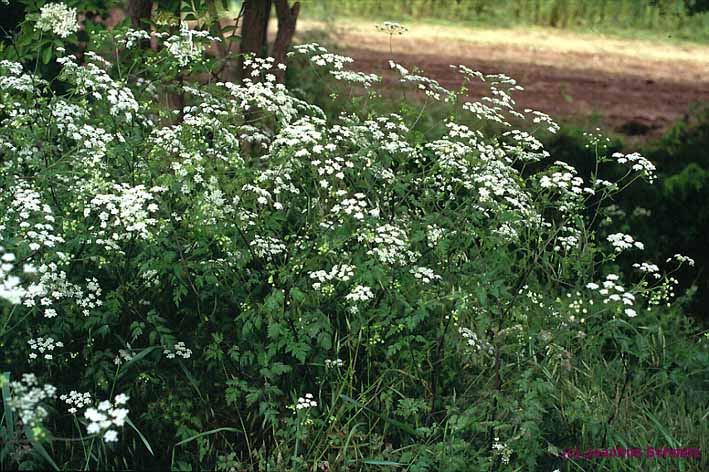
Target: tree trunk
(139,11)
(254,30)
(287,18)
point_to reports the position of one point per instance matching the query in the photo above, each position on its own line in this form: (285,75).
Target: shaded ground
(636,88)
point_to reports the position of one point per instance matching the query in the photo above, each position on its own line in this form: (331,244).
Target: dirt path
(637,88)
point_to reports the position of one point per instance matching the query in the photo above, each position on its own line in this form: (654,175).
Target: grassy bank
(662,19)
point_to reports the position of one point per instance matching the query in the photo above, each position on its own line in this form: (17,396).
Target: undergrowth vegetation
(245,282)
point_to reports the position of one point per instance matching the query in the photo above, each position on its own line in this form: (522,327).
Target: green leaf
(299,350)
(135,359)
(197,436)
(7,411)
(38,447)
(142,438)
(381,462)
(275,330)
(347,442)
(191,380)
(397,424)
(46,55)
(274,303)
(671,442)
(297,295)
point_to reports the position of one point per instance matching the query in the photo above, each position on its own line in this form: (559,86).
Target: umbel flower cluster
(269,237)
(58,19)
(106,416)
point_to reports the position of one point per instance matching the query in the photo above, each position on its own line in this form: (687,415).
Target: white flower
(267,247)
(93,428)
(648,268)
(122,216)
(105,417)
(391,28)
(476,343)
(119,416)
(390,244)
(424,274)
(133,37)
(682,259)
(93,415)
(320,57)
(621,241)
(637,163)
(26,398)
(183,46)
(179,350)
(360,78)
(360,293)
(333,363)
(10,285)
(342,273)
(121,399)
(76,400)
(502,450)
(306,402)
(43,346)
(58,18)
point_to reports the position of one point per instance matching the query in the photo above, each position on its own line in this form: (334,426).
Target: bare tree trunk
(287,18)
(254,30)
(139,11)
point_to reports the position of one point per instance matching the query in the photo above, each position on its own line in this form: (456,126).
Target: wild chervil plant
(201,274)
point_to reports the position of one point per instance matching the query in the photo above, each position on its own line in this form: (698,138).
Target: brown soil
(635,88)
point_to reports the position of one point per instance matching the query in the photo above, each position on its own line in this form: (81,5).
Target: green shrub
(245,283)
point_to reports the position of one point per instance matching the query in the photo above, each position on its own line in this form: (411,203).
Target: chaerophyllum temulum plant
(243,281)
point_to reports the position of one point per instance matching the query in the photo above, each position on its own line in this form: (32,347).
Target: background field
(633,87)
(669,19)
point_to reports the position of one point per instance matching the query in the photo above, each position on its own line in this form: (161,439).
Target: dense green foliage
(671,215)
(680,19)
(245,281)
(678,216)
